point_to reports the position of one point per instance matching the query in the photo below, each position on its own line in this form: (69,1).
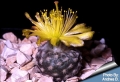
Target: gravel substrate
(17,59)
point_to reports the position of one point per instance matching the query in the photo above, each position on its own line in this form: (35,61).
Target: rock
(26,49)
(29,81)
(15,45)
(32,71)
(73,79)
(2,61)
(19,72)
(34,79)
(23,79)
(1,46)
(9,44)
(8,52)
(8,79)
(14,78)
(34,44)
(35,52)
(97,62)
(102,40)
(22,59)
(10,60)
(19,41)
(107,53)
(33,38)
(14,65)
(40,78)
(95,52)
(19,75)
(25,41)
(43,78)
(86,74)
(2,40)
(3,73)
(18,64)
(28,65)
(38,75)
(109,59)
(10,36)
(87,66)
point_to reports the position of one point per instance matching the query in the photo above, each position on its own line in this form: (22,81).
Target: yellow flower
(58,26)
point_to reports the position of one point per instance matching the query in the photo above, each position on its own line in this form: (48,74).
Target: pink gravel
(17,60)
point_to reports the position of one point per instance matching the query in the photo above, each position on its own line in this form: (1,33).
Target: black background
(103,16)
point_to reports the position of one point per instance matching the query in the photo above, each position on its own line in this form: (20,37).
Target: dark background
(101,15)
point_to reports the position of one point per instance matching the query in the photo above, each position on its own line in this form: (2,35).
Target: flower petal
(86,35)
(71,41)
(54,41)
(26,32)
(39,33)
(79,28)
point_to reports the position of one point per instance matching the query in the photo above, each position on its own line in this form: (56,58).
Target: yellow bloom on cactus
(58,26)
